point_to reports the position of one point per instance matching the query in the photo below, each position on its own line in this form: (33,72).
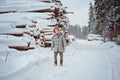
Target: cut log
(21,48)
(30,48)
(47,1)
(20,26)
(34,22)
(43,10)
(13,34)
(43,31)
(26,33)
(17,34)
(32,26)
(3,12)
(48,39)
(51,25)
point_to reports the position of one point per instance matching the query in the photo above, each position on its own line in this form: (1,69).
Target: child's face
(56,31)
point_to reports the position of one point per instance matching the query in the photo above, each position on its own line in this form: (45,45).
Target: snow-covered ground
(83,60)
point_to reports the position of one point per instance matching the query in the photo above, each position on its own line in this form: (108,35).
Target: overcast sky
(80,9)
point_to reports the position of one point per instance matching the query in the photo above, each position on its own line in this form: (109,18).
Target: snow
(12,41)
(5,26)
(71,38)
(83,60)
(24,6)
(17,61)
(94,37)
(13,31)
(48,36)
(22,16)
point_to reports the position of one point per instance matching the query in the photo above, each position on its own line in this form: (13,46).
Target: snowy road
(83,60)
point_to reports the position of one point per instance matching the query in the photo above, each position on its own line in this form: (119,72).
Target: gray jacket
(58,43)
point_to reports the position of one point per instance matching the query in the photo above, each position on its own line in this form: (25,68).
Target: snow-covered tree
(75,30)
(107,17)
(92,19)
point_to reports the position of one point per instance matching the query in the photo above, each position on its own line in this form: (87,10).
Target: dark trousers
(61,57)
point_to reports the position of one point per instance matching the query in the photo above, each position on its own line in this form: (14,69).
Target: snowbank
(19,60)
(5,26)
(11,40)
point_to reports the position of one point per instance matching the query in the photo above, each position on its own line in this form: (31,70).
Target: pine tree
(107,17)
(92,20)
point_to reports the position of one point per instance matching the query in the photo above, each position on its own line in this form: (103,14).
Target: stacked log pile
(28,27)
